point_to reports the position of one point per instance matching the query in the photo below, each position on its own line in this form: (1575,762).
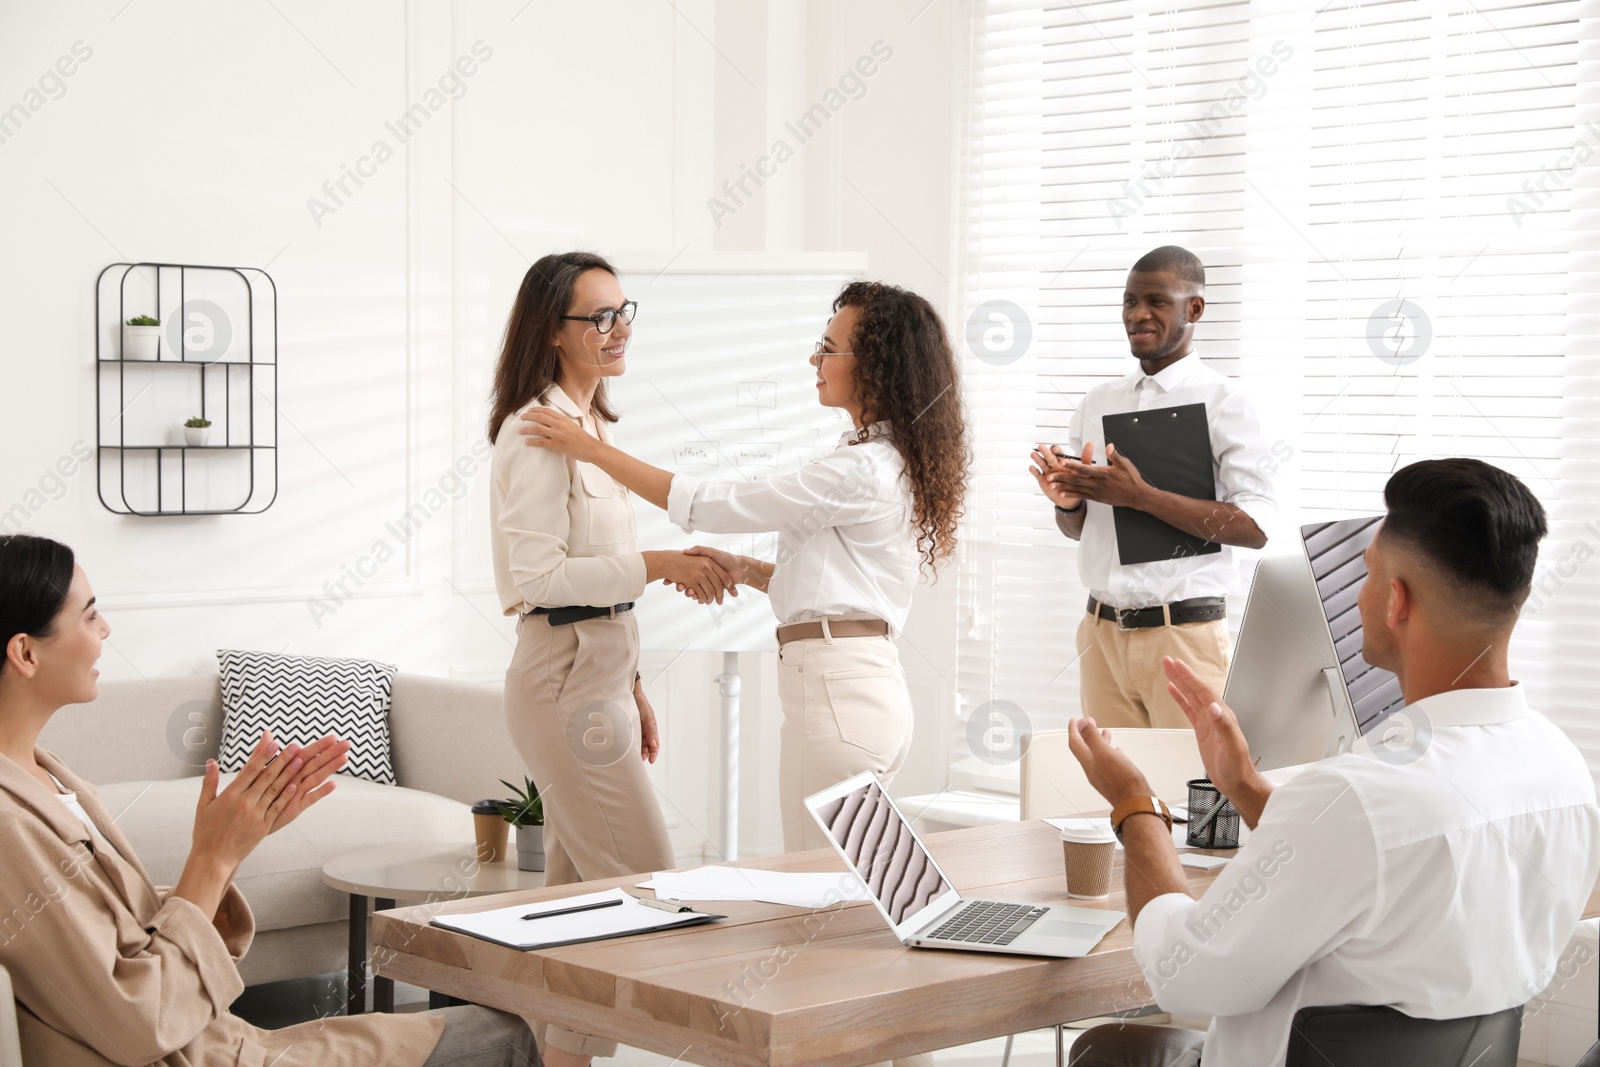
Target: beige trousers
(846,709)
(1121,678)
(571,714)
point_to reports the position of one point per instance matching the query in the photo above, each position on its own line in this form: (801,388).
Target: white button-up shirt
(1243,461)
(845,539)
(1444,887)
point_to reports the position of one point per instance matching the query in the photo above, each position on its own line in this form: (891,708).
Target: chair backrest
(1052,781)
(1348,1036)
(10,1049)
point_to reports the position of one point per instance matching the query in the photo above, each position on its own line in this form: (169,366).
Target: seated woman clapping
(108,968)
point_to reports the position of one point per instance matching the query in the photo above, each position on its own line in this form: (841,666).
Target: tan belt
(800,631)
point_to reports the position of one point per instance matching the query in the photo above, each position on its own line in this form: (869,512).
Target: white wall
(201,133)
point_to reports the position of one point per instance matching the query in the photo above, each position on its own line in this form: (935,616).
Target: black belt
(1195,609)
(567,616)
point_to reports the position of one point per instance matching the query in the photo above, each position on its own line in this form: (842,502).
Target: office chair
(1053,784)
(10,1049)
(1349,1035)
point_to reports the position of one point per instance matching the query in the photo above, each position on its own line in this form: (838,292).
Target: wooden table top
(780,985)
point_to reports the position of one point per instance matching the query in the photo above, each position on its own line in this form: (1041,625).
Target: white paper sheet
(511,926)
(796,889)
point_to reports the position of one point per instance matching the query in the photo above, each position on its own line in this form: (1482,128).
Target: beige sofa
(144,744)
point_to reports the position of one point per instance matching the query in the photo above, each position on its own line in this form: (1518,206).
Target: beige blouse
(108,969)
(564,533)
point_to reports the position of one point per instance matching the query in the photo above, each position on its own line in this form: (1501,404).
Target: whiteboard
(719,385)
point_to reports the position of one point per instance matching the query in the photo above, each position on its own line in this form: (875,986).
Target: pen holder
(1213,820)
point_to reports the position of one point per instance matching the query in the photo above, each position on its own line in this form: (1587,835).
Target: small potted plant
(525,811)
(141,338)
(196,432)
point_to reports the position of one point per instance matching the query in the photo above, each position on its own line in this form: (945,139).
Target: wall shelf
(216,355)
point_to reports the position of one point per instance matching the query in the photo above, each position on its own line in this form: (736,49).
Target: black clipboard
(1172,449)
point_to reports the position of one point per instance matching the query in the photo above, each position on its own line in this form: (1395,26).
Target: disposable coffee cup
(490,831)
(1088,853)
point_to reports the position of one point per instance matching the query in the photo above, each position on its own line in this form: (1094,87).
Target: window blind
(1394,204)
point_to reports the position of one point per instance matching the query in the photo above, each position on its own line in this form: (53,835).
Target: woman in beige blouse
(108,968)
(567,564)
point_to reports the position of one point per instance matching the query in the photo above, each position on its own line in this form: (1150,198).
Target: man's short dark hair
(1476,523)
(1180,261)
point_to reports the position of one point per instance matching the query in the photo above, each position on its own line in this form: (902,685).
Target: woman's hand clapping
(274,788)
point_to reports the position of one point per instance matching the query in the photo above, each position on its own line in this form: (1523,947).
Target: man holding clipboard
(1164,472)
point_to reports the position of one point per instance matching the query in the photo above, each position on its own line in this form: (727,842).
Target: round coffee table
(415,874)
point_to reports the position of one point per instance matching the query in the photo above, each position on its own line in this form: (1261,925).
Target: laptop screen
(876,840)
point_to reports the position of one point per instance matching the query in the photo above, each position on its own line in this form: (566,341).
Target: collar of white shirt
(1169,378)
(1472,707)
(876,431)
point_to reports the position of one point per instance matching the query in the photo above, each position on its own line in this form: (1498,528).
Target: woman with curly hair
(855,529)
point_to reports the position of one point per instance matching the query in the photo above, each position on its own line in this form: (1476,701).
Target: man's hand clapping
(1051,468)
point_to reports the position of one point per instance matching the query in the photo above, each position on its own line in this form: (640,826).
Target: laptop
(922,908)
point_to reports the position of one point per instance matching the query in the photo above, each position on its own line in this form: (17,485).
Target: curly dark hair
(906,375)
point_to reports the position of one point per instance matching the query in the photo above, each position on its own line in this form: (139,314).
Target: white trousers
(846,709)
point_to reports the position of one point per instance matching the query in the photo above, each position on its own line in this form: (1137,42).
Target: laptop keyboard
(988,922)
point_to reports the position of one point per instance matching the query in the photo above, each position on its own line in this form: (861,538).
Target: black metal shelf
(185,362)
(192,448)
(244,430)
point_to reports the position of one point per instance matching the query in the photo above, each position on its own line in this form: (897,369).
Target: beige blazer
(563,530)
(108,969)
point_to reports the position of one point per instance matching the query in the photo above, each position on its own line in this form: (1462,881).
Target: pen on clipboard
(574,910)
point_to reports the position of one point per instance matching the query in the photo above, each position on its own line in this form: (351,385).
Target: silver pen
(664,904)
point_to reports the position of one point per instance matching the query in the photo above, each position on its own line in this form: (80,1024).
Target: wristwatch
(1137,806)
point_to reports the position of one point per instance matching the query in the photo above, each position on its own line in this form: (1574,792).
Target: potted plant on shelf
(196,432)
(141,338)
(525,811)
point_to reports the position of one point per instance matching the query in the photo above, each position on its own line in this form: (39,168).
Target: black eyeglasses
(604,320)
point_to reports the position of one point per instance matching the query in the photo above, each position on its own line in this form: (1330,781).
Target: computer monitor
(1334,550)
(1298,683)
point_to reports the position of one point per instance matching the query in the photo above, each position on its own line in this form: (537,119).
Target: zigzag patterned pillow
(302,698)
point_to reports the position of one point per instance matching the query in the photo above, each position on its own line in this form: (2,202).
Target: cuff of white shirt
(1263,512)
(1156,938)
(680,499)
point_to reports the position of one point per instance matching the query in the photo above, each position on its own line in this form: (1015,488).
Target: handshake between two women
(707,575)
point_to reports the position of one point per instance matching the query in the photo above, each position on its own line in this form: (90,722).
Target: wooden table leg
(382,988)
(356,966)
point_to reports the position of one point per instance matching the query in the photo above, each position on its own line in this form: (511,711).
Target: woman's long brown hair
(906,375)
(528,362)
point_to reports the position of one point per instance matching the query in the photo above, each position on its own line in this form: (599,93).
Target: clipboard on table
(573,920)
(1172,449)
